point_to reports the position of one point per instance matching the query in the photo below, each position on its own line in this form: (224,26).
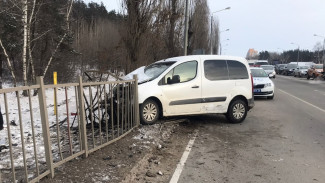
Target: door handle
(195,86)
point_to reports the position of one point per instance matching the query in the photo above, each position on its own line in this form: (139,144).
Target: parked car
(288,70)
(269,69)
(196,84)
(301,71)
(279,68)
(315,71)
(263,85)
(258,63)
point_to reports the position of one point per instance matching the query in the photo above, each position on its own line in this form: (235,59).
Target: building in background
(251,54)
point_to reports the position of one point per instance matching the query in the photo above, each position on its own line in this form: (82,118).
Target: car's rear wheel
(149,112)
(308,77)
(314,76)
(237,111)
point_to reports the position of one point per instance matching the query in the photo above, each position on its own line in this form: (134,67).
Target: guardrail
(89,116)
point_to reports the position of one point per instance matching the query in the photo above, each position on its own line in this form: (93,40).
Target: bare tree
(139,18)
(317,48)
(199,26)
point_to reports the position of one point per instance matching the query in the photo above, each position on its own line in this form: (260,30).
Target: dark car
(288,70)
(279,68)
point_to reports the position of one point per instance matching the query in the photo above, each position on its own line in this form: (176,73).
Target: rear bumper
(251,103)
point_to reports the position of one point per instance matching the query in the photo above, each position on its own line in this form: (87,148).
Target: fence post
(136,102)
(45,125)
(82,117)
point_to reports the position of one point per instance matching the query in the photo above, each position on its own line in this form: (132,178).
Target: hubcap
(238,111)
(149,112)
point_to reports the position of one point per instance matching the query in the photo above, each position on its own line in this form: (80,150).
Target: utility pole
(186,28)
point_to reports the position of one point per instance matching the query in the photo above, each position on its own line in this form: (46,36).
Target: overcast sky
(270,25)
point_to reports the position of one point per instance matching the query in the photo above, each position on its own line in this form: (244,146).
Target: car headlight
(268,84)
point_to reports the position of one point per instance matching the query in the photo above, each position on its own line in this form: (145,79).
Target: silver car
(301,71)
(269,69)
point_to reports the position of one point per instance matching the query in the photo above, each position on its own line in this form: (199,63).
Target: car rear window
(225,70)
(237,70)
(261,63)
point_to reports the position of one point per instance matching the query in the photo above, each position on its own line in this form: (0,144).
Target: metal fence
(63,122)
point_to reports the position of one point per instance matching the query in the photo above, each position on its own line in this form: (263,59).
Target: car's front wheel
(237,111)
(149,112)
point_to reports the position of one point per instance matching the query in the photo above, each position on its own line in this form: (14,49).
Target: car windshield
(258,73)
(267,67)
(304,67)
(318,66)
(154,70)
(292,66)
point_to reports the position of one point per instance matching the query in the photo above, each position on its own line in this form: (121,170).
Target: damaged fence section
(61,123)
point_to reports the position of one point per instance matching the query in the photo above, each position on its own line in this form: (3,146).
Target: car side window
(182,73)
(237,70)
(216,70)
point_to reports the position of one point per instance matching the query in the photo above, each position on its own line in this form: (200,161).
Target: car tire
(294,75)
(308,77)
(273,76)
(149,112)
(314,76)
(270,97)
(237,111)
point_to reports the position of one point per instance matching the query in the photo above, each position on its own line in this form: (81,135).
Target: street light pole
(298,51)
(323,58)
(228,8)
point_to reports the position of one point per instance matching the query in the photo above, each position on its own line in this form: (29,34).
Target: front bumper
(264,92)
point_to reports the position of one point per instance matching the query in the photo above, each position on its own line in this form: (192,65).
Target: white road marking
(180,165)
(320,92)
(303,101)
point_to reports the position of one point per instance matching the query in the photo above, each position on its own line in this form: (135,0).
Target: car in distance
(269,69)
(258,63)
(196,84)
(279,68)
(288,70)
(314,71)
(301,71)
(262,84)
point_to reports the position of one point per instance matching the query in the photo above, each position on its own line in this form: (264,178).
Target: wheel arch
(159,104)
(241,97)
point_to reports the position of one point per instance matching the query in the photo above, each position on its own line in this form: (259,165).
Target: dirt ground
(148,154)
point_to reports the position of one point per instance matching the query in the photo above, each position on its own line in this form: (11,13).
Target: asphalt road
(281,140)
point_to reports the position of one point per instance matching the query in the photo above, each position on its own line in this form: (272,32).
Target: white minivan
(196,84)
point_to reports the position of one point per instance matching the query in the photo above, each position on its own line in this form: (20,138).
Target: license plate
(257,90)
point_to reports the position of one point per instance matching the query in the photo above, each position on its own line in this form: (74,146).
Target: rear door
(181,89)
(222,80)
(215,85)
